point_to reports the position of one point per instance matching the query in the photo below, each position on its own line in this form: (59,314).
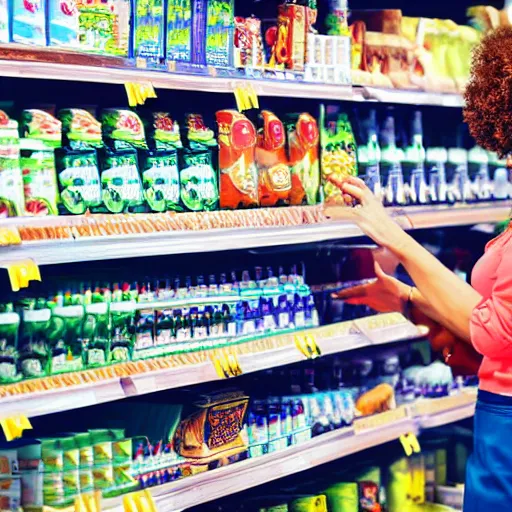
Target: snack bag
(220,16)
(9,326)
(159,163)
(238,172)
(41,134)
(199,190)
(179,31)
(33,346)
(249,51)
(274,177)
(303,138)
(77,162)
(339,153)
(11,183)
(123,131)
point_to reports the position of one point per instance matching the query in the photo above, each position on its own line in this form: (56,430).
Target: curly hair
(488,95)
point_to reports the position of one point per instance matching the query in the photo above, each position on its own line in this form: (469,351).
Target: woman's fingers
(349,293)
(355,191)
(358,182)
(378,271)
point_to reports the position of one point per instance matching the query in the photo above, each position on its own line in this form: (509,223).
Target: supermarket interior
(184,323)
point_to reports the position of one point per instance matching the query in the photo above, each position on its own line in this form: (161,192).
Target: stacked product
(93,326)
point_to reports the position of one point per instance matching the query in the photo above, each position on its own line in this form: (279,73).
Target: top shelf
(23,63)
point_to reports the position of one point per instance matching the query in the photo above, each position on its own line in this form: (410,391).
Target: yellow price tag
(226,363)
(410,444)
(9,236)
(246,97)
(14,427)
(140,501)
(21,273)
(138,93)
(307,345)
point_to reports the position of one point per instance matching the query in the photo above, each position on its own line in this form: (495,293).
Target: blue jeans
(489,471)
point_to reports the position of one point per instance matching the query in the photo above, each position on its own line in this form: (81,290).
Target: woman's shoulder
(501,241)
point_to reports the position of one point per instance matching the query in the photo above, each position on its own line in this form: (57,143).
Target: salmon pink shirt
(491,321)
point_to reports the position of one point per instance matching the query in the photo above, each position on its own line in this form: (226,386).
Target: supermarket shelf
(109,71)
(182,242)
(205,487)
(195,490)
(443,411)
(347,338)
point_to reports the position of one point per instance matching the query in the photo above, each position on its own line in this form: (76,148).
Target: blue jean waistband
(493,399)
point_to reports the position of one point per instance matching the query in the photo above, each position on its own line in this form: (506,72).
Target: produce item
(249,50)
(148,32)
(339,153)
(159,163)
(29,21)
(41,134)
(199,190)
(414,165)
(104,26)
(63,23)
(303,140)
(9,325)
(238,172)
(179,30)
(11,182)
(274,175)
(123,131)
(5,16)
(77,162)
(214,430)
(220,15)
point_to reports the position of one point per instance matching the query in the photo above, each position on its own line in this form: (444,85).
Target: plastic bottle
(478,169)
(414,169)
(436,174)
(390,165)
(369,155)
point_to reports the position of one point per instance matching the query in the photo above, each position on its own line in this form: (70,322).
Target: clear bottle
(478,169)
(457,176)
(390,164)
(369,155)
(414,167)
(437,158)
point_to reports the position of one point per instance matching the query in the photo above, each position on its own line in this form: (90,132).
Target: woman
(467,319)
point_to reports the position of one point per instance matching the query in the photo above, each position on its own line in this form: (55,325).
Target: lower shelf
(212,485)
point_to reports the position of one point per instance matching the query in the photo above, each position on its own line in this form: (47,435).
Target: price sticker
(13,427)
(410,444)
(138,93)
(307,345)
(21,273)
(366,423)
(140,501)
(226,363)
(9,236)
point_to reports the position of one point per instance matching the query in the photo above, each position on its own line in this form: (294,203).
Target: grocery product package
(29,21)
(63,23)
(238,186)
(9,326)
(339,152)
(148,33)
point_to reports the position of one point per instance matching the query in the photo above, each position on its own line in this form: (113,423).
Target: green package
(121,185)
(34,347)
(41,135)
(12,203)
(86,458)
(95,334)
(339,152)
(122,330)
(9,326)
(65,340)
(77,162)
(343,497)
(309,504)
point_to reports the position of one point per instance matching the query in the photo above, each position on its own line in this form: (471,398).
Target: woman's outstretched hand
(369,214)
(385,294)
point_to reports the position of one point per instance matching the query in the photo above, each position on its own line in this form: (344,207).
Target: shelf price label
(90,502)
(9,236)
(139,92)
(431,406)
(410,444)
(21,273)
(141,501)
(13,427)
(383,419)
(307,345)
(226,363)
(246,97)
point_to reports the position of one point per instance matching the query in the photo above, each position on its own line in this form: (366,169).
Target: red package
(274,177)
(237,165)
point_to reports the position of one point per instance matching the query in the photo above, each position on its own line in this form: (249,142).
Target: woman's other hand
(369,214)
(385,294)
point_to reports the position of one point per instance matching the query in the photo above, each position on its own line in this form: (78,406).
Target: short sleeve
(491,320)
